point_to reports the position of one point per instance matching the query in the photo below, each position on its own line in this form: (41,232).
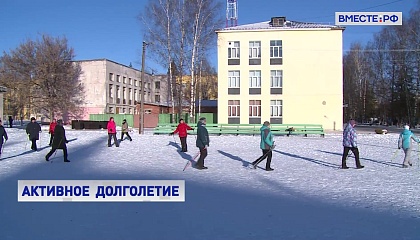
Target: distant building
(281,71)
(111,87)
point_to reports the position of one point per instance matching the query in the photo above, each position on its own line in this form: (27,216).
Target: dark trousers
(54,149)
(114,136)
(266,154)
(33,146)
(183,143)
(355,151)
(122,136)
(51,138)
(203,155)
(1,148)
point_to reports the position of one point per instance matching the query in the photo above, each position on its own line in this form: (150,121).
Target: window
(157,85)
(118,78)
(233,50)
(276,52)
(276,108)
(233,108)
(255,108)
(124,80)
(255,79)
(157,98)
(135,95)
(111,110)
(124,95)
(255,49)
(233,79)
(111,77)
(276,80)
(135,82)
(130,81)
(276,49)
(148,86)
(111,91)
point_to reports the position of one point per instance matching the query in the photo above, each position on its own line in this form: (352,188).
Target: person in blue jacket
(266,145)
(404,142)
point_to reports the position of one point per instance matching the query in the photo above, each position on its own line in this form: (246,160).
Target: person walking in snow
(404,142)
(10,122)
(182,129)
(202,142)
(112,132)
(59,141)
(266,145)
(350,143)
(3,136)
(125,130)
(33,129)
(51,130)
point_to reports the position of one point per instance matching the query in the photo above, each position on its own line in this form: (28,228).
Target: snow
(307,196)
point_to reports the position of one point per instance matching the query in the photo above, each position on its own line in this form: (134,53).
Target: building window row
(276,52)
(117,78)
(276,82)
(234,111)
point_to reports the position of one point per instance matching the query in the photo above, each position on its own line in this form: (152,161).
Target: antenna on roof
(232,13)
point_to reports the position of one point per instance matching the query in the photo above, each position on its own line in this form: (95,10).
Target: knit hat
(407,127)
(32,118)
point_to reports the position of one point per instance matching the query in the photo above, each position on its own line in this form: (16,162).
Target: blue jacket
(405,137)
(266,138)
(349,136)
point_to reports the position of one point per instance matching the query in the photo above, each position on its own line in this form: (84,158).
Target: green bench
(248,129)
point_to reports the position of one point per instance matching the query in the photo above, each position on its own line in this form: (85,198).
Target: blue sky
(110,29)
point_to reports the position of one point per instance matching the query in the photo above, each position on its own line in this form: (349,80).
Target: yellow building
(281,71)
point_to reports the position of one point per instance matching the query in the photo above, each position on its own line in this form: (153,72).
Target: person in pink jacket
(112,132)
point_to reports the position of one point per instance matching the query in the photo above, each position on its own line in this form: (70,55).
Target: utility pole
(141,129)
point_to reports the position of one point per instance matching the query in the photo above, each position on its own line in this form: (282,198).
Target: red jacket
(52,127)
(182,129)
(112,127)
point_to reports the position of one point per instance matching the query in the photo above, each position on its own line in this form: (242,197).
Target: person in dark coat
(33,129)
(202,142)
(59,141)
(53,124)
(10,121)
(182,129)
(3,137)
(124,130)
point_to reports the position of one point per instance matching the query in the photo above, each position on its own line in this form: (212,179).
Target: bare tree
(158,18)
(45,75)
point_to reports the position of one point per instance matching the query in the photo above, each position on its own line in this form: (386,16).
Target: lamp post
(141,129)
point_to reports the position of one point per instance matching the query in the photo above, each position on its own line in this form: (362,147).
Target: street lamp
(141,129)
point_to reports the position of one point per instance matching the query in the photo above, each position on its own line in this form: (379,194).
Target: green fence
(118,118)
(167,118)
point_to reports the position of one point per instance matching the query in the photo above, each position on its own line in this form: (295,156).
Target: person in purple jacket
(350,143)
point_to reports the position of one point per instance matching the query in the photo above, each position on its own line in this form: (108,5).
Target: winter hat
(32,118)
(407,127)
(181,119)
(60,122)
(125,120)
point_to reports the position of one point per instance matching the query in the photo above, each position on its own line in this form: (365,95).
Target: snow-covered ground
(307,196)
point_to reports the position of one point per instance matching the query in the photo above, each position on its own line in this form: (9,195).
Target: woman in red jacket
(182,133)
(112,132)
(51,131)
